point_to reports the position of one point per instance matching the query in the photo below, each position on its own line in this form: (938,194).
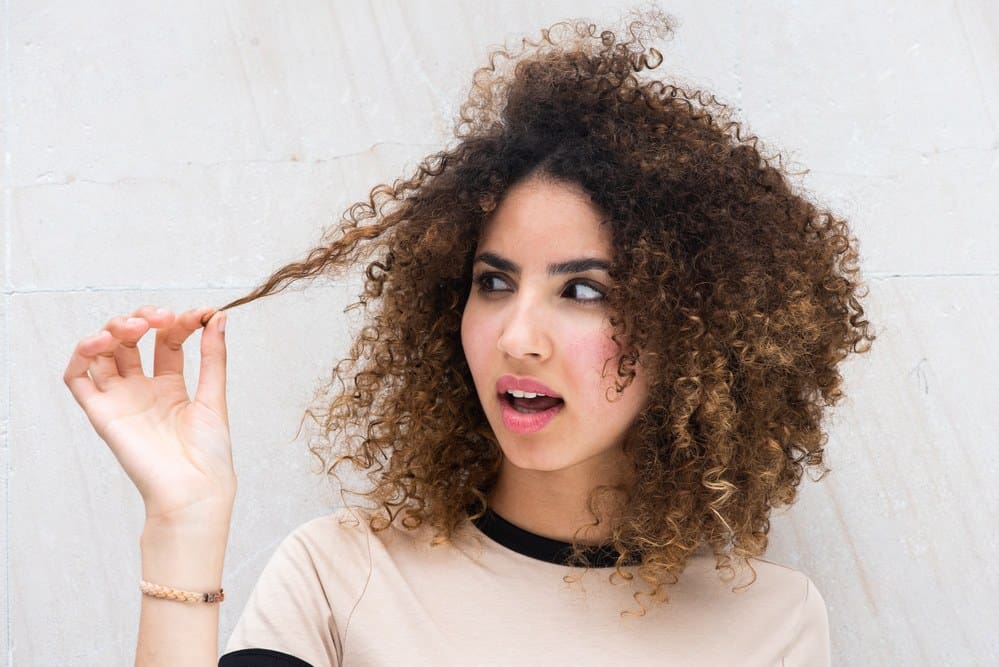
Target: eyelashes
(598,294)
(595,294)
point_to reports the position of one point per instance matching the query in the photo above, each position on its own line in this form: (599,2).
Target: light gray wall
(176,153)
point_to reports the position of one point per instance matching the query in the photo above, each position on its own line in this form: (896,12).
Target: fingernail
(162,311)
(222,322)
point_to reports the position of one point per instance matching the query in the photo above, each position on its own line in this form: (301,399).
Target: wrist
(173,535)
(186,556)
(205,515)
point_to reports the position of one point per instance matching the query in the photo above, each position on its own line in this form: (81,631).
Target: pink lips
(523,384)
(520,422)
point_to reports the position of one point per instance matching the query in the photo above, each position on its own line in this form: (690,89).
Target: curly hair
(739,294)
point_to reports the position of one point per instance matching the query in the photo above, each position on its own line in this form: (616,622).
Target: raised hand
(176,450)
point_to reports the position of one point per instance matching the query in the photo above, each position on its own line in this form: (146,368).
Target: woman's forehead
(546,219)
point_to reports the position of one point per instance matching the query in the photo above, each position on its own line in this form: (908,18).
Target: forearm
(190,559)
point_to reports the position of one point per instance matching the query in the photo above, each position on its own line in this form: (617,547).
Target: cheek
(474,339)
(589,353)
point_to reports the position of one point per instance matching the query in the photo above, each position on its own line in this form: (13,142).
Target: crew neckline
(538,547)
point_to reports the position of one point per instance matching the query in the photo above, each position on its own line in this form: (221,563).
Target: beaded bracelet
(179,596)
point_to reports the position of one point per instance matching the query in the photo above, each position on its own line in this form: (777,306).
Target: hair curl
(740,293)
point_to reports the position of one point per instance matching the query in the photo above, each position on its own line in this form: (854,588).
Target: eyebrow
(572,266)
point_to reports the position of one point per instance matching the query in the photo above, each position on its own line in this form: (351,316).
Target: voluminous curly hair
(739,295)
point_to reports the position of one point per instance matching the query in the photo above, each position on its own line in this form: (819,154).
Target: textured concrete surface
(176,154)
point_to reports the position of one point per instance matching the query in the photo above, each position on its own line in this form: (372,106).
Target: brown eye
(584,292)
(483,283)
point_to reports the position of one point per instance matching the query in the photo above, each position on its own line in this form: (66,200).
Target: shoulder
(304,593)
(328,546)
(805,607)
(784,581)
(774,608)
(756,578)
(344,538)
(344,523)
(796,586)
(344,532)
(783,587)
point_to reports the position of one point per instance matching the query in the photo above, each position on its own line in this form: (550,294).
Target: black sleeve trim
(260,657)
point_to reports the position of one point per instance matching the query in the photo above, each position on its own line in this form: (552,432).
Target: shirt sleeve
(810,644)
(288,615)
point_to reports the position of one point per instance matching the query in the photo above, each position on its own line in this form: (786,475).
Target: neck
(554,504)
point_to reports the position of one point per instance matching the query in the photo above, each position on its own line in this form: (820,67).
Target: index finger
(77,375)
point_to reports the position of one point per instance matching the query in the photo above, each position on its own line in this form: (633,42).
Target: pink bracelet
(180,596)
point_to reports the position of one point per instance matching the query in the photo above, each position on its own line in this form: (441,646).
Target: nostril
(520,345)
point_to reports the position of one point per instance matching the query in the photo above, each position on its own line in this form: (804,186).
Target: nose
(525,333)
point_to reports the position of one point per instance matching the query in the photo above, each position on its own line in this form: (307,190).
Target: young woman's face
(537,320)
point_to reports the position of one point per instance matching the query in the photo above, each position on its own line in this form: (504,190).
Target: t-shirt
(337,593)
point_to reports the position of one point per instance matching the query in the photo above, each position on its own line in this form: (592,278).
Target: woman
(602,331)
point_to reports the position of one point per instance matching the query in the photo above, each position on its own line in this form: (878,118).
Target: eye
(482,283)
(586,292)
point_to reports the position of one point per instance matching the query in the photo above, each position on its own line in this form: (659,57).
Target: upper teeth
(523,394)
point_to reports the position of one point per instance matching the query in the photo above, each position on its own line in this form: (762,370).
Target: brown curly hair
(740,294)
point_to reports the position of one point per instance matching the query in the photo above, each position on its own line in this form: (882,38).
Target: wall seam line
(8,299)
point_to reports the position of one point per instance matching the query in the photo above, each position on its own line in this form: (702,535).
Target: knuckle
(167,336)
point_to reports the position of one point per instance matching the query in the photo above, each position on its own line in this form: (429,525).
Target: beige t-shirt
(336,593)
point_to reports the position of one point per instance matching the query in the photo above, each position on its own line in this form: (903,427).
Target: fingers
(211,377)
(169,354)
(128,331)
(113,353)
(103,368)
(110,353)
(76,376)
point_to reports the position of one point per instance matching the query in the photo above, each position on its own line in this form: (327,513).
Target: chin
(535,457)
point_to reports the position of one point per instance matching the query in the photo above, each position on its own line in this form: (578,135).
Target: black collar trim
(535,546)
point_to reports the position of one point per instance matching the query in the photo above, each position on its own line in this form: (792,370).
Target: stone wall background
(177,153)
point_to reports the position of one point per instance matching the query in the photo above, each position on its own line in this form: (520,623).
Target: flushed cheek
(477,340)
(588,353)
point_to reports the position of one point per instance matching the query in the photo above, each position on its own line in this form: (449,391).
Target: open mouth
(526,404)
(529,405)
(524,415)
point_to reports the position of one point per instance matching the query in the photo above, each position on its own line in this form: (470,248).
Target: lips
(508,382)
(527,422)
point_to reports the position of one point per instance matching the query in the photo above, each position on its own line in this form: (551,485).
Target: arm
(177,453)
(190,558)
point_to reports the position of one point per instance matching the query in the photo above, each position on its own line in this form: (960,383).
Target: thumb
(211,377)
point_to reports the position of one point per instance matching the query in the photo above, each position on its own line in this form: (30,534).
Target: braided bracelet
(180,596)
